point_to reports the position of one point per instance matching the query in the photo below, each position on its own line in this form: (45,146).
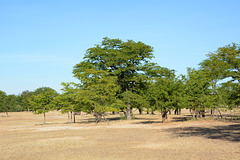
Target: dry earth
(23,137)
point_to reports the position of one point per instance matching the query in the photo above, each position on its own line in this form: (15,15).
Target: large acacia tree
(221,64)
(124,60)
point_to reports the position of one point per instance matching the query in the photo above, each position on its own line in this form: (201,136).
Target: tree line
(117,76)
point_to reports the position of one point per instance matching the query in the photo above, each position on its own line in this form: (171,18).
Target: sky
(41,40)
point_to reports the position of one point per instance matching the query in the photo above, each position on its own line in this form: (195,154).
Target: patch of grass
(122,116)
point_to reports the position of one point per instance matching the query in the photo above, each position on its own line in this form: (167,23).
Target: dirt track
(24,137)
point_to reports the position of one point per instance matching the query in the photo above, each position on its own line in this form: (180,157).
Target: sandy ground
(23,137)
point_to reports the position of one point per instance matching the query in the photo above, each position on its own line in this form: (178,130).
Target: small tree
(197,92)
(42,101)
(164,93)
(66,102)
(98,94)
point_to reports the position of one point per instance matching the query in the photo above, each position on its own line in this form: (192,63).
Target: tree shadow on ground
(159,120)
(116,118)
(47,124)
(181,119)
(149,122)
(227,133)
(93,120)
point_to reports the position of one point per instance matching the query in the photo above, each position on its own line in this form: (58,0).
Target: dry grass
(24,137)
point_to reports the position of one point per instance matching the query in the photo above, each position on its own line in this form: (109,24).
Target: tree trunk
(98,117)
(129,109)
(125,114)
(231,115)
(164,116)
(140,111)
(128,114)
(44,119)
(196,114)
(176,112)
(7,114)
(191,113)
(202,114)
(212,112)
(220,113)
(68,117)
(71,116)
(179,111)
(74,120)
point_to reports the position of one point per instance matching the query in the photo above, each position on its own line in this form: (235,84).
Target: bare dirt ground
(23,137)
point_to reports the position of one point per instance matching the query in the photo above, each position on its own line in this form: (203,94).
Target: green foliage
(42,99)
(164,92)
(121,59)
(121,62)
(66,102)
(229,95)
(224,63)
(2,101)
(100,93)
(97,94)
(9,103)
(122,116)
(25,98)
(197,92)
(133,99)
(119,76)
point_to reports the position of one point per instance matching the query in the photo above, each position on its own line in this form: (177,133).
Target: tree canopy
(117,76)
(125,61)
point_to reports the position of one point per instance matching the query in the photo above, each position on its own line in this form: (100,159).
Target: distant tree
(10,104)
(2,101)
(25,98)
(42,99)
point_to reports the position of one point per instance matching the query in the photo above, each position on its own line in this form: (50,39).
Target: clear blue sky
(41,40)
